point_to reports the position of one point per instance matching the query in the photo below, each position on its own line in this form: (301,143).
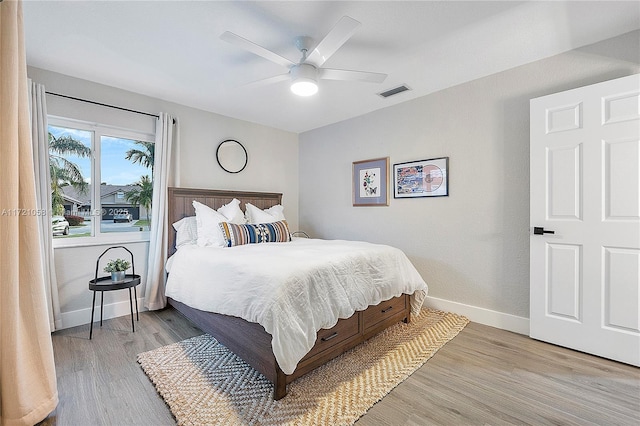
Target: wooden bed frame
(249,340)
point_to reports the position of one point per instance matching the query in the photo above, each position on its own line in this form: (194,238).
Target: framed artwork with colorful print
(422,178)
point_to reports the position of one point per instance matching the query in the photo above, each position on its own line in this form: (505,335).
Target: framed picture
(370,182)
(422,178)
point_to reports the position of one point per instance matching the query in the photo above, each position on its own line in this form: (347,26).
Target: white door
(585,187)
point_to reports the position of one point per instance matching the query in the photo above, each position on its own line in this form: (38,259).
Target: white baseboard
(111,310)
(481,315)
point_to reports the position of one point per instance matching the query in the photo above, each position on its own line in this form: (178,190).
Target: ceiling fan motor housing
(304,78)
(304,71)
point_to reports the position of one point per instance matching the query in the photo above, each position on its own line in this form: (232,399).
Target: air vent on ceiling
(394,91)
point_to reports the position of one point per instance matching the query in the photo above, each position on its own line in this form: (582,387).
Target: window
(101,182)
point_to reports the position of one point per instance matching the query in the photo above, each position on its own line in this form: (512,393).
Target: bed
(250,340)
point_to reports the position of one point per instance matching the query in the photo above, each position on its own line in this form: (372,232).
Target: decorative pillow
(274,232)
(232,212)
(270,215)
(207,221)
(186,231)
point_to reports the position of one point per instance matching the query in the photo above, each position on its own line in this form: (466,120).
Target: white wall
(272,167)
(472,247)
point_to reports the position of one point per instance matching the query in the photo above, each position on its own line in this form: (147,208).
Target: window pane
(70,167)
(126,187)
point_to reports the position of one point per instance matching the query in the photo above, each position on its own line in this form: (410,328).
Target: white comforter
(292,289)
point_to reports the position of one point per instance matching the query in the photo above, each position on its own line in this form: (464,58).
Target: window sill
(102,240)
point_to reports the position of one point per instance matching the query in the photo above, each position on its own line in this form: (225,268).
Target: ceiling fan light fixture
(304,87)
(304,80)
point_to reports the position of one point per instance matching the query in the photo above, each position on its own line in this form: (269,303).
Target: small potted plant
(117,268)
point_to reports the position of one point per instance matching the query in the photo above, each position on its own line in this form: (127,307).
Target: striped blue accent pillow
(250,233)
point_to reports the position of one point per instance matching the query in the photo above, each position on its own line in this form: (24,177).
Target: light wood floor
(483,376)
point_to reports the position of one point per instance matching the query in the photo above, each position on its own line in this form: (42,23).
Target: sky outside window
(115,168)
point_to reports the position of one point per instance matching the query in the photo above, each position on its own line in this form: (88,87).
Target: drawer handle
(326,339)
(384,311)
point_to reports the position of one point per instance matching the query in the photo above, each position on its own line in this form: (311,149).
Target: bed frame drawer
(383,311)
(328,338)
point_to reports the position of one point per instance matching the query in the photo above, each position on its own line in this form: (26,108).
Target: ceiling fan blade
(349,75)
(255,49)
(266,81)
(338,35)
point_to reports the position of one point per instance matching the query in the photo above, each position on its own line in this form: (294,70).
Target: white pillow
(207,219)
(270,215)
(232,212)
(186,231)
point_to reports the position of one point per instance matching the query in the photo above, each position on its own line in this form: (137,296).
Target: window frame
(99,130)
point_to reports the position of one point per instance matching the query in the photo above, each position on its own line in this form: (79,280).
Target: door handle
(540,231)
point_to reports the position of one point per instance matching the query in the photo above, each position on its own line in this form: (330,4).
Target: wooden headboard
(181,204)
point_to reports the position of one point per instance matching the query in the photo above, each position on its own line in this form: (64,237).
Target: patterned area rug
(202,382)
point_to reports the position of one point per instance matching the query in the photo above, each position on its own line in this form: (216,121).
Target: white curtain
(28,390)
(163,177)
(40,140)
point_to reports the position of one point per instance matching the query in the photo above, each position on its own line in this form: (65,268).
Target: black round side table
(103,284)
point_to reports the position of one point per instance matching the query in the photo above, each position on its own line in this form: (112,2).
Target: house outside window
(116,210)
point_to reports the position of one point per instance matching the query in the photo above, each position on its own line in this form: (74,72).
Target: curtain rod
(104,105)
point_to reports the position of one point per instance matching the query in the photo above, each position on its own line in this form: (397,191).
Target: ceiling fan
(304,75)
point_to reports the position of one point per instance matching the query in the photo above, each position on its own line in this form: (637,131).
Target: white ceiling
(171,49)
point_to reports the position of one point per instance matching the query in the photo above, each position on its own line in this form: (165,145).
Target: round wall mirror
(231,156)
